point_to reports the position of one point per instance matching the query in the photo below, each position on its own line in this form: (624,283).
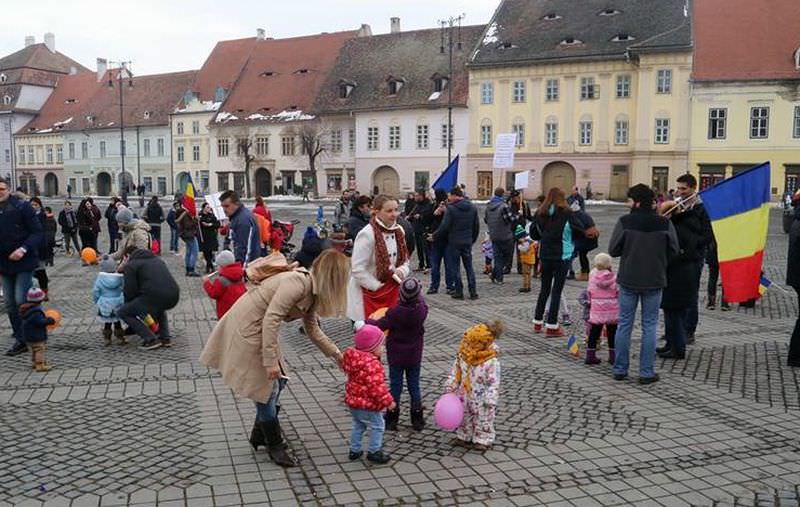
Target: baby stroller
(281,235)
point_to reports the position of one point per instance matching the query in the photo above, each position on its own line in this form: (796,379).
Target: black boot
(277,447)
(257,437)
(417,419)
(391,417)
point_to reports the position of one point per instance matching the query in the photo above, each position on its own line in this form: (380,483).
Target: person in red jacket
(366,393)
(229,284)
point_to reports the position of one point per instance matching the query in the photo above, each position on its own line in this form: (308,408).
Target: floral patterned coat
(485,380)
(366,381)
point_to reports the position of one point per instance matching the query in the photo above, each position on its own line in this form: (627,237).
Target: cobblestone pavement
(118,426)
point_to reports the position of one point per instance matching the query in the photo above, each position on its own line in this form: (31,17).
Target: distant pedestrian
(173,227)
(499,221)
(438,248)
(189,231)
(154,216)
(209,232)
(112,225)
(88,223)
(461,227)
(68,221)
(69,191)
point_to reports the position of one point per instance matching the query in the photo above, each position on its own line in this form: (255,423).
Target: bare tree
(245,151)
(313,137)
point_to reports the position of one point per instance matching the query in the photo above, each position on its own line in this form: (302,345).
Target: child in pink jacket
(603,307)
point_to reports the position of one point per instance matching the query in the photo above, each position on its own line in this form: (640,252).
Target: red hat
(368,338)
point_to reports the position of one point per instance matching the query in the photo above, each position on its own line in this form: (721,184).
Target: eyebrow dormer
(395,84)
(345,88)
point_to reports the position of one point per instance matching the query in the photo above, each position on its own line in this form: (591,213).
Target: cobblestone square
(120,426)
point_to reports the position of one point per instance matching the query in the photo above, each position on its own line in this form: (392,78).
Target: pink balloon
(449,412)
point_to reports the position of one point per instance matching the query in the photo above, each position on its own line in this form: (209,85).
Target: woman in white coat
(379,262)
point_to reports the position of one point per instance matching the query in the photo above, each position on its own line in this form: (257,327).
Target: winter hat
(224,258)
(519,232)
(108,265)
(124,216)
(410,289)
(369,338)
(35,295)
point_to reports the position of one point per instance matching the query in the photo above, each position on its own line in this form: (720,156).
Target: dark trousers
(133,313)
(713,281)
(461,254)
(396,374)
(438,253)
(71,237)
(554,274)
(88,240)
(113,240)
(794,344)
(155,233)
(208,255)
(509,261)
(597,329)
(503,251)
(423,249)
(583,259)
(693,316)
(117,325)
(675,329)
(41,276)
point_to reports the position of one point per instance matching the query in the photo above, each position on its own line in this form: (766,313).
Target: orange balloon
(55,315)
(89,256)
(378,315)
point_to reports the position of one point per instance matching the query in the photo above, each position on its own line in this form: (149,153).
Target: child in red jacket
(229,284)
(366,393)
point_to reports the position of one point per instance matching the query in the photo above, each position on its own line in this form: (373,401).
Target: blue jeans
(266,412)
(192,250)
(461,254)
(173,239)
(651,302)
(363,419)
(412,381)
(675,328)
(503,253)
(15,292)
(437,255)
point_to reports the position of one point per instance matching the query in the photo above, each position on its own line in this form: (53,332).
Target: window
(3,78)
(551,133)
(487,92)
(146,149)
(102,149)
(585,129)
(394,137)
(621,132)
(8,155)
(7,126)
(238,183)
(205,179)
(486,135)
(73,183)
(662,131)
(336,141)
(160,146)
(447,137)
(72,151)
(222,182)
(664,81)
(372,138)
(439,84)
(181,156)
(148,184)
(394,87)
(587,88)
(49,155)
(84,150)
(519,130)
(287,146)
(351,139)
(262,145)
(717,123)
(222,148)
(344,90)
(759,123)
(195,153)
(22,160)
(623,86)
(519,91)
(195,127)
(421,180)
(423,137)
(796,129)
(59,154)
(551,90)
(31,160)
(87,186)
(6,99)
(179,127)
(660,179)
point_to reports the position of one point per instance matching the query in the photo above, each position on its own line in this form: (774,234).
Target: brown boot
(40,364)
(107,335)
(119,333)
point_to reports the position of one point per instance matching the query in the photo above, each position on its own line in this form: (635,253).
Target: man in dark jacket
(21,236)
(243,228)
(359,216)
(793,280)
(498,219)
(577,200)
(461,226)
(644,241)
(438,249)
(521,213)
(150,290)
(68,221)
(421,216)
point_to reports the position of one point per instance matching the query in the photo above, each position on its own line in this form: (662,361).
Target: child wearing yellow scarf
(476,378)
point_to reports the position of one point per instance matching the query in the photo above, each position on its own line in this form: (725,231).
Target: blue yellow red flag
(572,345)
(188,198)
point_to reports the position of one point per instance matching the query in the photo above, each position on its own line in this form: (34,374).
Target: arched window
(6,99)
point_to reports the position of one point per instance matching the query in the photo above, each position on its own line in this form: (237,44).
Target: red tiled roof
(37,56)
(222,67)
(65,105)
(283,75)
(745,40)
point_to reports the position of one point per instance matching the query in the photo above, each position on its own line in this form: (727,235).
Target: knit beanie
(368,338)
(224,258)
(108,265)
(410,289)
(519,232)
(35,295)
(124,216)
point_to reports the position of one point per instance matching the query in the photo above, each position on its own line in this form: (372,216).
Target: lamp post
(451,39)
(123,71)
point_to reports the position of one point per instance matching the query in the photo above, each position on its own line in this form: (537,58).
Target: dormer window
(6,99)
(267,73)
(147,115)
(622,37)
(551,16)
(507,45)
(3,78)
(346,88)
(187,97)
(439,82)
(302,71)
(219,94)
(292,108)
(90,119)
(571,41)
(395,85)
(609,12)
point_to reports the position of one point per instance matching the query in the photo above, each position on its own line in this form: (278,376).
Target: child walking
(34,328)
(107,296)
(603,307)
(488,254)
(366,394)
(405,324)
(229,286)
(527,256)
(476,378)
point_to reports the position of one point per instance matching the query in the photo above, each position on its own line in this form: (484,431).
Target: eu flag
(449,177)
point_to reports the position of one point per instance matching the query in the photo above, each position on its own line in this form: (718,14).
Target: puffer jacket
(34,323)
(603,297)
(136,233)
(147,276)
(227,288)
(498,220)
(107,294)
(406,326)
(366,381)
(556,232)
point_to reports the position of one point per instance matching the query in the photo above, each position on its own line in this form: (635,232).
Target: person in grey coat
(499,220)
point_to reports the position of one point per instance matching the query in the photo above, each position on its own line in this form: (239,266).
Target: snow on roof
(435,95)
(208,105)
(491,34)
(45,131)
(62,123)
(226,116)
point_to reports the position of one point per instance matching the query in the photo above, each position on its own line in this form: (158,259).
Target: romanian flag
(572,346)
(739,211)
(188,198)
(764,285)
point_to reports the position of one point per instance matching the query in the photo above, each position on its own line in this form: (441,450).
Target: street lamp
(123,71)
(450,31)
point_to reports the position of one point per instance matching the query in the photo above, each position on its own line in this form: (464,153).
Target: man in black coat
(793,280)
(150,290)
(421,216)
(461,227)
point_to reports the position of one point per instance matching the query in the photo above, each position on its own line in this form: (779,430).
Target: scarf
(69,217)
(476,348)
(382,261)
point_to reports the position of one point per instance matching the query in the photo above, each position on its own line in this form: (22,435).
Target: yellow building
(590,106)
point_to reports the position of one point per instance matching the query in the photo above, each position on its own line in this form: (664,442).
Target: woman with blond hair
(244,345)
(380,261)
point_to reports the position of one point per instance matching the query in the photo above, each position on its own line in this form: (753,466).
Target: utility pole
(122,67)
(451,37)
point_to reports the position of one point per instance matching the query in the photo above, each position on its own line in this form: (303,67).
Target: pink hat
(369,338)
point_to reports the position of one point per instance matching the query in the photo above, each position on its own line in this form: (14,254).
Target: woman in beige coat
(244,345)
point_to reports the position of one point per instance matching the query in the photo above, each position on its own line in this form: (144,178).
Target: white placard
(504,151)
(216,205)
(521,180)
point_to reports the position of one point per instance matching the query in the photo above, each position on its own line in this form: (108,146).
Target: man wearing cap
(135,232)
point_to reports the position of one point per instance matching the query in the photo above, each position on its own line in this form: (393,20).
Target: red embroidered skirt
(385,297)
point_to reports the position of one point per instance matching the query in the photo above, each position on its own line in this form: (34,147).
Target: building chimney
(30,40)
(261,34)
(50,41)
(395,25)
(365,31)
(102,66)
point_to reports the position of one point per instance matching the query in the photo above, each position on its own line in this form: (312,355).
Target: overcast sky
(174,35)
